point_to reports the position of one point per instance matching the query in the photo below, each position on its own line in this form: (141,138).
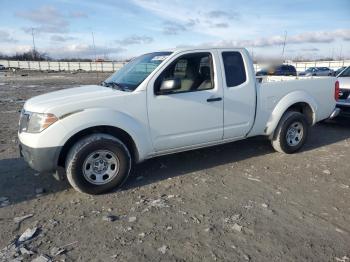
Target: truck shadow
(164,167)
(19,182)
(328,132)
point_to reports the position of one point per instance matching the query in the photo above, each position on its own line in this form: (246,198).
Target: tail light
(336,91)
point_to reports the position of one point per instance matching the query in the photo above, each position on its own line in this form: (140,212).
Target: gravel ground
(237,202)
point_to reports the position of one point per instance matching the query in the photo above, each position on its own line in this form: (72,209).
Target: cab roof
(193,48)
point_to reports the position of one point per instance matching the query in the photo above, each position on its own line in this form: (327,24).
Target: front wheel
(97,164)
(291,133)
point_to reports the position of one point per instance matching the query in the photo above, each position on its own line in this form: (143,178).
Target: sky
(124,29)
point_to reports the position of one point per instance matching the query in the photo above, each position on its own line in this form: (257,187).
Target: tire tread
(278,141)
(72,156)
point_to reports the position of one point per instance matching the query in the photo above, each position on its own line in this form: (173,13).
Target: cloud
(192,22)
(78,14)
(61,38)
(220,25)
(220,19)
(67,50)
(343,34)
(6,37)
(135,40)
(303,38)
(320,37)
(311,49)
(46,29)
(185,16)
(83,50)
(12,49)
(215,14)
(48,19)
(173,28)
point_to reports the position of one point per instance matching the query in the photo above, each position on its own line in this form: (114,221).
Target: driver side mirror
(169,85)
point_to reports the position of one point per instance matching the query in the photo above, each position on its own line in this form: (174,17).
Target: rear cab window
(235,73)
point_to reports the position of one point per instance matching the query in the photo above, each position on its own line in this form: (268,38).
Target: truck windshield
(130,76)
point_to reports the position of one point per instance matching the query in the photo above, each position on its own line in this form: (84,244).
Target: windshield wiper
(116,85)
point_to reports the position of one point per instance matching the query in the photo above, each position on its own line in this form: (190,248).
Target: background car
(2,67)
(311,71)
(339,70)
(278,70)
(325,71)
(344,96)
(317,71)
(344,83)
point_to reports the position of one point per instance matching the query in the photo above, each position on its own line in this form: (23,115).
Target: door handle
(214,99)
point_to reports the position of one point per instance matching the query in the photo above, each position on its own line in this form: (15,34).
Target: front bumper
(40,159)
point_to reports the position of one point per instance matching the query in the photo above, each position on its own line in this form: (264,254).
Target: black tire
(83,149)
(280,142)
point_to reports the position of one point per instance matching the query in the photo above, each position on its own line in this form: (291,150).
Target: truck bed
(316,91)
(264,79)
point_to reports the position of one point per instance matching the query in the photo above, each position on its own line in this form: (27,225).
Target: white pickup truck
(162,103)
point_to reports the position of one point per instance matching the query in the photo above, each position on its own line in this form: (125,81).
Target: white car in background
(344,95)
(162,103)
(317,71)
(2,67)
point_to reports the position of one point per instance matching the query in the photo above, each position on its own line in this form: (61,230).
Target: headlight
(35,122)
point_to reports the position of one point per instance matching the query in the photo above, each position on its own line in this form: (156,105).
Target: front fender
(88,118)
(287,101)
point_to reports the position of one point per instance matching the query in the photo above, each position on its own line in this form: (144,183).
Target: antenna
(33,53)
(93,44)
(332,53)
(341,52)
(284,44)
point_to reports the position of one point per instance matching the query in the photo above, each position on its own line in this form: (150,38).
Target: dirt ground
(237,202)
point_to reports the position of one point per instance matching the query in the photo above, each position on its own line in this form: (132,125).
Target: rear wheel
(291,133)
(98,163)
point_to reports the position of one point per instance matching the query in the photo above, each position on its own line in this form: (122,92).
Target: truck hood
(67,97)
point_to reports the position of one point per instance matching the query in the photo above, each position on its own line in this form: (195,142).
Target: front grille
(23,121)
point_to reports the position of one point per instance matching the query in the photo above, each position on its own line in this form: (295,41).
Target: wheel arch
(116,132)
(299,101)
(305,109)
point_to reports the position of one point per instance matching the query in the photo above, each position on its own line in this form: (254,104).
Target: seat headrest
(190,71)
(205,72)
